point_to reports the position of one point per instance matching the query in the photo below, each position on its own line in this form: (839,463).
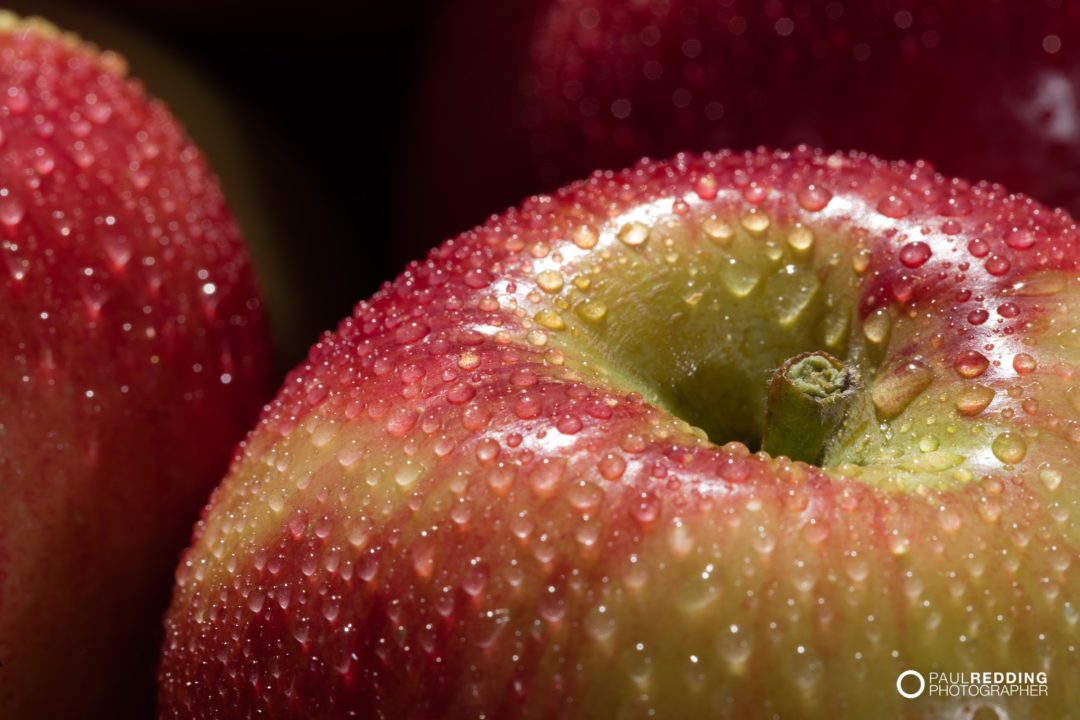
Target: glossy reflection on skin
(518,481)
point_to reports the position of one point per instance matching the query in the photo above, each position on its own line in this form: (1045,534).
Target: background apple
(524,96)
(520,482)
(275,115)
(135,356)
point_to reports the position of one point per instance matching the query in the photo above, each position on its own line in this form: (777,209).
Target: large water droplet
(894,391)
(1009,447)
(973,400)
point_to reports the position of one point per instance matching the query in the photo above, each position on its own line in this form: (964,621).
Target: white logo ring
(900,686)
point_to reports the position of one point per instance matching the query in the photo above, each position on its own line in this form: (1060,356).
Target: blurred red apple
(524,96)
(135,356)
(519,482)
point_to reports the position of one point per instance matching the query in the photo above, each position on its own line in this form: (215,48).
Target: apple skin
(484,495)
(135,357)
(983,89)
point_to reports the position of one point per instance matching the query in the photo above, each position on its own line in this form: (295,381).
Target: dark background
(305,110)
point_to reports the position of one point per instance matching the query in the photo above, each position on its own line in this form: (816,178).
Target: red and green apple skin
(982,88)
(135,356)
(516,483)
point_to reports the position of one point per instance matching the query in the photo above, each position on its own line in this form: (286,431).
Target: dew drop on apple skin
(1009,447)
(755,222)
(915,254)
(735,646)
(973,400)
(1050,478)
(645,508)
(877,328)
(550,281)
(740,278)
(813,197)
(585,237)
(1024,364)
(551,605)
(801,239)
(633,234)
(585,496)
(894,207)
(894,391)
(592,312)
(970,364)
(997,265)
(550,319)
(600,625)
(11,210)
(547,475)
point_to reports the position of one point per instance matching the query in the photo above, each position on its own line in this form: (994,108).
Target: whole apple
(982,88)
(523,480)
(134,357)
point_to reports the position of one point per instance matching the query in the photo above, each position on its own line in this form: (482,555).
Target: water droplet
(706,187)
(645,508)
(1009,447)
(585,237)
(550,320)
(739,277)
(877,327)
(1024,364)
(11,211)
(612,466)
(915,254)
(410,332)
(801,238)
(1019,238)
(255,600)
(894,207)
(998,265)
(1008,310)
(547,475)
(735,645)
(592,312)
(755,222)
(118,249)
(600,625)
(401,420)
(633,234)
(460,393)
(893,392)
(813,197)
(971,364)
(717,231)
(550,281)
(1050,478)
(585,496)
(973,400)
(552,606)
(794,292)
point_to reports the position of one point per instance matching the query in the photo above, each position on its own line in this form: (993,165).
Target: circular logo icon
(900,684)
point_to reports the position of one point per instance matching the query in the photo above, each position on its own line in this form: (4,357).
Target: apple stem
(809,396)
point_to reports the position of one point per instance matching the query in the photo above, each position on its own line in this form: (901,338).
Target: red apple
(524,96)
(135,355)
(520,481)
